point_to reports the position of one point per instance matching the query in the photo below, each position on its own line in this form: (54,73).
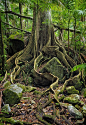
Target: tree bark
(2,61)
(20,9)
(7,18)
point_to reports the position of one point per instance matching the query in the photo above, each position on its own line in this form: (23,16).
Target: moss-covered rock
(30,88)
(73,111)
(22,86)
(84,110)
(77,106)
(72,90)
(81,102)
(54,67)
(6,108)
(6,84)
(12,94)
(26,88)
(73,99)
(77,83)
(84,92)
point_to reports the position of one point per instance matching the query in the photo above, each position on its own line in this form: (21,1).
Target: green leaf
(80,67)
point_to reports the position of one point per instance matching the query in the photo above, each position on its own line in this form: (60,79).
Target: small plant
(80,67)
(5,112)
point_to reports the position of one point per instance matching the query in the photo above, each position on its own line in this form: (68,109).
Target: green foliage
(62,12)
(1,77)
(80,67)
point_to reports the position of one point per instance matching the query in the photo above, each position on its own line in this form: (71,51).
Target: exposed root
(15,73)
(41,120)
(52,118)
(15,122)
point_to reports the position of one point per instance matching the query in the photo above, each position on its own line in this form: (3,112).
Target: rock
(73,111)
(54,67)
(79,122)
(73,99)
(22,86)
(84,92)
(81,103)
(6,108)
(6,84)
(76,83)
(12,94)
(26,88)
(77,106)
(72,90)
(84,110)
(30,88)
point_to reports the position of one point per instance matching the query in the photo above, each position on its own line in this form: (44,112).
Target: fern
(80,67)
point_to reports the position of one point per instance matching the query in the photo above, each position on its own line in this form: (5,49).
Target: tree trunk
(20,9)
(7,18)
(43,40)
(2,60)
(42,34)
(42,29)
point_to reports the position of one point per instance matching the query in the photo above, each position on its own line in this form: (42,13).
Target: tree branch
(19,15)
(60,28)
(16,27)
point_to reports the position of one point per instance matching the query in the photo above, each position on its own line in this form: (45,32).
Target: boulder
(21,86)
(6,108)
(73,98)
(74,112)
(72,90)
(6,84)
(84,92)
(26,88)
(84,110)
(76,83)
(54,67)
(12,94)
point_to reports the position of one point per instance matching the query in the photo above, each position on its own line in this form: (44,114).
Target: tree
(43,39)
(2,61)
(43,45)
(20,9)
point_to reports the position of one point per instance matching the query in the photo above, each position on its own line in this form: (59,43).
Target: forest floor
(29,108)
